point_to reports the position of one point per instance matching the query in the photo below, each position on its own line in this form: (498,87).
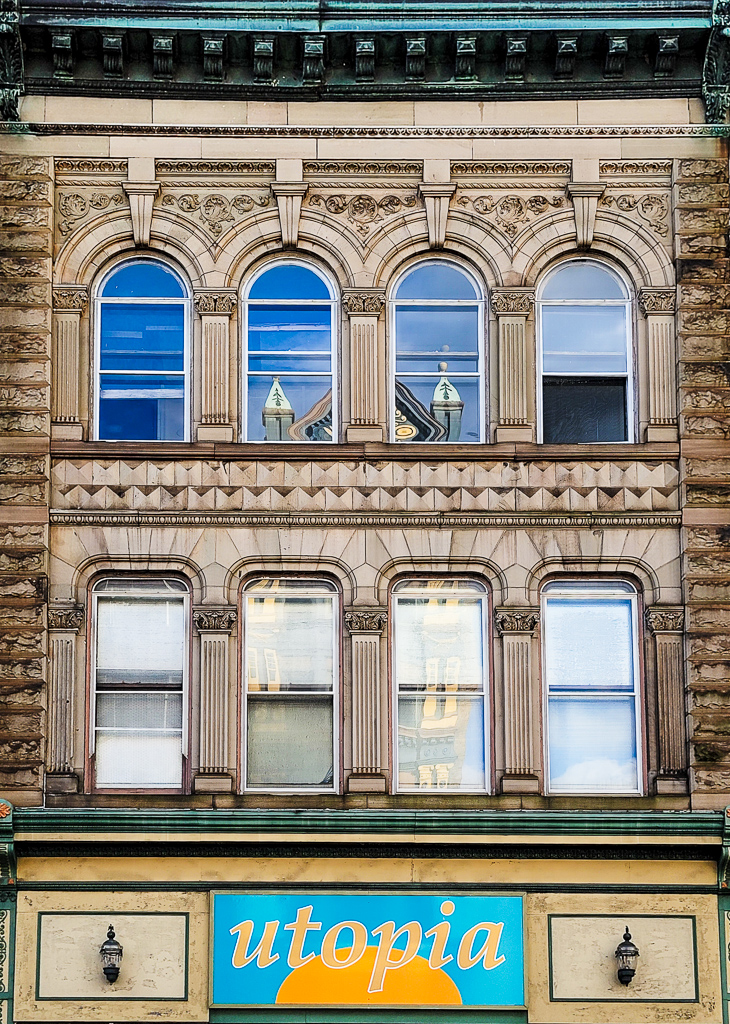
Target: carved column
(69,304)
(214,627)
(658,306)
(516,627)
(512,307)
(585,196)
(667,627)
(366,627)
(367,364)
(437,196)
(63,628)
(215,309)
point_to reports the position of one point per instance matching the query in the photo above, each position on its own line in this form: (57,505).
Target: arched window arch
(437,324)
(142,328)
(290,355)
(585,392)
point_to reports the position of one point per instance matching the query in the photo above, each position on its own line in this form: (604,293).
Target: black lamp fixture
(111,953)
(627,954)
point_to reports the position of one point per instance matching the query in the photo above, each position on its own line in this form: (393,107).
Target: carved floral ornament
(363,302)
(214,302)
(74,206)
(663,620)
(366,621)
(657,300)
(215,210)
(363,211)
(69,620)
(215,620)
(514,621)
(70,300)
(516,302)
(509,211)
(652,209)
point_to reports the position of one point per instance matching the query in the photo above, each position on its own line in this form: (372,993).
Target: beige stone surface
(92,110)
(199,112)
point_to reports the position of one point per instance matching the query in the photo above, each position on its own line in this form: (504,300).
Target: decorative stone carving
(141,195)
(510,211)
(213,53)
(67,165)
(437,196)
(70,299)
(372,302)
(465,58)
(112,45)
(652,209)
(217,167)
(415,58)
(313,59)
(74,207)
(289,197)
(661,620)
(525,169)
(218,620)
(514,621)
(515,57)
(263,58)
(507,301)
(162,55)
(70,620)
(366,621)
(617,47)
(565,55)
(348,168)
(363,211)
(215,209)
(665,57)
(585,196)
(214,302)
(661,168)
(62,49)
(657,300)
(364,58)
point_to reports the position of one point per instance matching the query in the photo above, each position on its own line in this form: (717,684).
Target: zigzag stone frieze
(363,487)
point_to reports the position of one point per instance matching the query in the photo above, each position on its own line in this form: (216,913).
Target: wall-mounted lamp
(627,954)
(111,954)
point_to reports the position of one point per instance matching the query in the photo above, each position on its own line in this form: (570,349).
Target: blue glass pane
(137,408)
(142,337)
(589,644)
(584,339)
(289,281)
(421,415)
(144,280)
(592,745)
(301,411)
(584,281)
(441,742)
(289,338)
(430,335)
(436,281)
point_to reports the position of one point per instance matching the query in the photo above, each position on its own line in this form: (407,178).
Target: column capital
(366,620)
(665,620)
(370,301)
(218,301)
(657,300)
(70,298)
(214,620)
(516,620)
(66,620)
(512,301)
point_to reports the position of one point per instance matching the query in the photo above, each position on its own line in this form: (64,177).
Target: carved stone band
(513,301)
(215,620)
(664,620)
(67,619)
(214,302)
(657,300)
(369,621)
(363,302)
(70,300)
(513,621)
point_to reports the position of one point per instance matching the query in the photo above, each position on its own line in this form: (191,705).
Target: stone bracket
(437,196)
(141,197)
(585,196)
(289,196)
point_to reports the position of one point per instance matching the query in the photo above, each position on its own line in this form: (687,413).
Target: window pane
(139,643)
(439,644)
(143,280)
(428,410)
(289,338)
(142,337)
(292,583)
(578,280)
(140,760)
(436,281)
(592,745)
(289,643)
(297,409)
(584,339)
(141,408)
(289,281)
(583,410)
(290,742)
(140,712)
(438,585)
(428,335)
(589,643)
(441,742)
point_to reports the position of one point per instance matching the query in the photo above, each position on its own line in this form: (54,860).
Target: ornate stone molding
(366,621)
(350,168)
(657,300)
(141,195)
(217,620)
(513,301)
(513,621)
(65,165)
(663,620)
(70,299)
(619,168)
(245,167)
(585,196)
(509,211)
(214,302)
(70,620)
(518,168)
(362,210)
(354,302)
(214,209)
(652,209)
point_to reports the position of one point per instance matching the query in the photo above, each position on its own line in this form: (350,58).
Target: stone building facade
(490,154)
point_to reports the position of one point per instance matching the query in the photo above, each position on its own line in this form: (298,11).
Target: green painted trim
(375,821)
(488,887)
(110,999)
(616,917)
(417,1015)
(723,910)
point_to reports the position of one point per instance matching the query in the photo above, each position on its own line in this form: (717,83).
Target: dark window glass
(584,409)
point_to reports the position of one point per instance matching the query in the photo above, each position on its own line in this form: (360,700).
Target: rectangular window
(290,671)
(440,667)
(139,677)
(590,659)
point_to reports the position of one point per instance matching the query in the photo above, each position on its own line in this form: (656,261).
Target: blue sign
(361,949)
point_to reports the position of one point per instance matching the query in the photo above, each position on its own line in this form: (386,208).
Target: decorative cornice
(70,299)
(64,165)
(622,168)
(215,620)
(68,620)
(512,300)
(348,168)
(657,300)
(369,620)
(214,302)
(516,168)
(363,302)
(665,620)
(244,167)
(514,620)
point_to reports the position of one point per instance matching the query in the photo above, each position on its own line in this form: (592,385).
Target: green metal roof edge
(394,822)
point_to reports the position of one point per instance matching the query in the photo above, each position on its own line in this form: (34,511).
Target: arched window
(585,355)
(291,673)
(438,386)
(141,354)
(591,683)
(440,668)
(290,356)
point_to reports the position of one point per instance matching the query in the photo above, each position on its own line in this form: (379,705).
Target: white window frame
(629,376)
(300,591)
(334,304)
(100,300)
(579,589)
(132,591)
(480,302)
(484,596)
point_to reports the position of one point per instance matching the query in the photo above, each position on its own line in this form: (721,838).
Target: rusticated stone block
(18,317)
(701,170)
(13,166)
(22,267)
(704,375)
(701,647)
(22,536)
(23,671)
(705,195)
(706,426)
(712,346)
(20,561)
(709,592)
(24,344)
(22,493)
(24,396)
(27,294)
(14,422)
(25,191)
(708,400)
(23,588)
(21,372)
(25,216)
(25,241)
(711,270)
(702,219)
(706,321)
(696,245)
(16,644)
(24,721)
(704,295)
(25,465)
